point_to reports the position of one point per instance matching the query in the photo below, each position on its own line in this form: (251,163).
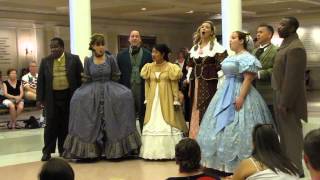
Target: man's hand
(40,105)
(282,109)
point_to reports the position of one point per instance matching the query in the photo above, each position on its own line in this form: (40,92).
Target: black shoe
(45,157)
(302,175)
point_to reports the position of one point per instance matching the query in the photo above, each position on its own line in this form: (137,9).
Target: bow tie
(259,52)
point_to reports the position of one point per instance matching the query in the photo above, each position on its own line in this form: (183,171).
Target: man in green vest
(266,53)
(130,62)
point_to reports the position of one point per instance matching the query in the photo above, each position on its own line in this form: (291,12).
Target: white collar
(265,45)
(217,48)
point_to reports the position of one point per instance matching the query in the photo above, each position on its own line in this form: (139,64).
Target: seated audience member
(267,160)
(188,156)
(13,92)
(312,153)
(1,89)
(29,82)
(56,169)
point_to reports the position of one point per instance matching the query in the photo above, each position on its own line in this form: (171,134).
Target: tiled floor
(20,151)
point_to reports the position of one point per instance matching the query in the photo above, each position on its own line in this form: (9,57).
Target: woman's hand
(239,102)
(185,82)
(17,98)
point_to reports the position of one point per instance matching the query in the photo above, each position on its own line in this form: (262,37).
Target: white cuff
(220,74)
(145,102)
(189,73)
(176,103)
(258,74)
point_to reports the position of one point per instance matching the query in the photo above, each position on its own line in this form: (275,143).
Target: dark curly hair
(96,39)
(163,49)
(188,155)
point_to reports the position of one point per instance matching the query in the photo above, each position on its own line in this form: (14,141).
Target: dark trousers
(57,126)
(139,107)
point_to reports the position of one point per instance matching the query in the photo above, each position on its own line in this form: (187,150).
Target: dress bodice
(106,71)
(100,72)
(238,64)
(230,68)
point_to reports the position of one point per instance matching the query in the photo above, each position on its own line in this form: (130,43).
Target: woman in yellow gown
(164,123)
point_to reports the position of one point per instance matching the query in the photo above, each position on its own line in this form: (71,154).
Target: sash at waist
(225,110)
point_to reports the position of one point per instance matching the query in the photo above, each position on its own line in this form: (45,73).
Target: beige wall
(38,33)
(39,29)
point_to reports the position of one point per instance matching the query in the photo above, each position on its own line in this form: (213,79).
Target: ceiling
(165,10)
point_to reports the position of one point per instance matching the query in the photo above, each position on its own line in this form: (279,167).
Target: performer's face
(284,28)
(134,38)
(235,42)
(98,49)
(206,30)
(157,56)
(56,49)
(263,35)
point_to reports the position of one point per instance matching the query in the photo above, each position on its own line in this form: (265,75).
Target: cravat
(259,52)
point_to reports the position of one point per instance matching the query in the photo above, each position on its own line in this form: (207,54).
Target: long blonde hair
(197,37)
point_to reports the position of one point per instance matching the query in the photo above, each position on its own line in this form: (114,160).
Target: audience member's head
(33,67)
(312,153)
(266,149)
(12,74)
(56,169)
(188,155)
(287,26)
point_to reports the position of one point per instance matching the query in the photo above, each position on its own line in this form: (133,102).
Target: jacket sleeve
(293,77)
(79,70)
(41,83)
(265,74)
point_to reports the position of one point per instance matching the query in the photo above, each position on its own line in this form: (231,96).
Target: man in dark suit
(59,76)
(288,84)
(130,62)
(265,52)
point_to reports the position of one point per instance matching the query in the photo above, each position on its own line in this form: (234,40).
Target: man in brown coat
(290,103)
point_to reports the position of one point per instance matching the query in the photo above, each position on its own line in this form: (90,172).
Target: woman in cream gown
(164,123)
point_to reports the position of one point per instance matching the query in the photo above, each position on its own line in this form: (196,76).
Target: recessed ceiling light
(190,12)
(143,9)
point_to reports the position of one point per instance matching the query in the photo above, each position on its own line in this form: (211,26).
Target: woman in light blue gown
(225,132)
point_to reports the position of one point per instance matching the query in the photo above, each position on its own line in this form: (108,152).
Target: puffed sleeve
(248,63)
(146,71)
(175,72)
